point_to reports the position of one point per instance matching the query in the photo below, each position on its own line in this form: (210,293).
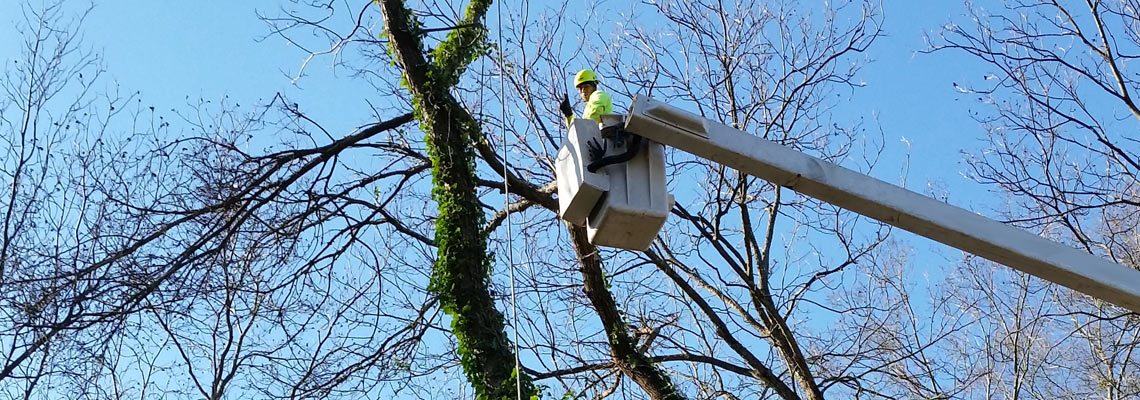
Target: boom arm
(885,202)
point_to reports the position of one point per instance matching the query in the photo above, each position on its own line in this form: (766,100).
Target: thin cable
(482,118)
(507,201)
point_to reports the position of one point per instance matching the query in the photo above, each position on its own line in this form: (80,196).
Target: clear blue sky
(169,50)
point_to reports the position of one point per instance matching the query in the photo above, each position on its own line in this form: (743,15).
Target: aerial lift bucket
(622,205)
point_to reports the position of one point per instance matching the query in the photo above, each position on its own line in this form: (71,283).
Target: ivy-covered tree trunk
(459,276)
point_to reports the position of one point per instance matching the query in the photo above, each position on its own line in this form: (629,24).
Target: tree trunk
(626,357)
(459,276)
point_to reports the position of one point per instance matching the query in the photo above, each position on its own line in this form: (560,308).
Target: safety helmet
(585,76)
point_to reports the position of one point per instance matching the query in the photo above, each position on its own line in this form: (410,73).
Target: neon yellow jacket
(599,103)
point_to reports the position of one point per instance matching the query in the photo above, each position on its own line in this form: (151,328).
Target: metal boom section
(941,222)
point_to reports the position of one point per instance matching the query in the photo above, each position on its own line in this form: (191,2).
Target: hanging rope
(507,202)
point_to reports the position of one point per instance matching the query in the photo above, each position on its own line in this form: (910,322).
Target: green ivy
(462,269)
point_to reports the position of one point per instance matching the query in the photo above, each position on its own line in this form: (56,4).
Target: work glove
(595,150)
(564,106)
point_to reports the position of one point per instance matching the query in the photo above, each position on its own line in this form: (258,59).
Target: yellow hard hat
(584,76)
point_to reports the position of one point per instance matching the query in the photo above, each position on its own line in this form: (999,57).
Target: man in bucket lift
(597,101)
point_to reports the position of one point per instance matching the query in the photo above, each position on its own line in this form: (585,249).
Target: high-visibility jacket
(598,104)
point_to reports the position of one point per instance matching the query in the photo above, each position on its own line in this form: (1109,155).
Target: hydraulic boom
(944,223)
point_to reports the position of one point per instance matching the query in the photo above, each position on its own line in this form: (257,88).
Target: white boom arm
(885,202)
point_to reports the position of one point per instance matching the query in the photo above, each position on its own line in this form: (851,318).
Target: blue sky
(913,95)
(174,50)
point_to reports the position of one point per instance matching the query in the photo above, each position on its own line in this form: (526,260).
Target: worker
(597,101)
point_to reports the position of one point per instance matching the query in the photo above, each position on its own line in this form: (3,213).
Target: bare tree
(753,281)
(1058,108)
(203,260)
(722,304)
(150,254)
